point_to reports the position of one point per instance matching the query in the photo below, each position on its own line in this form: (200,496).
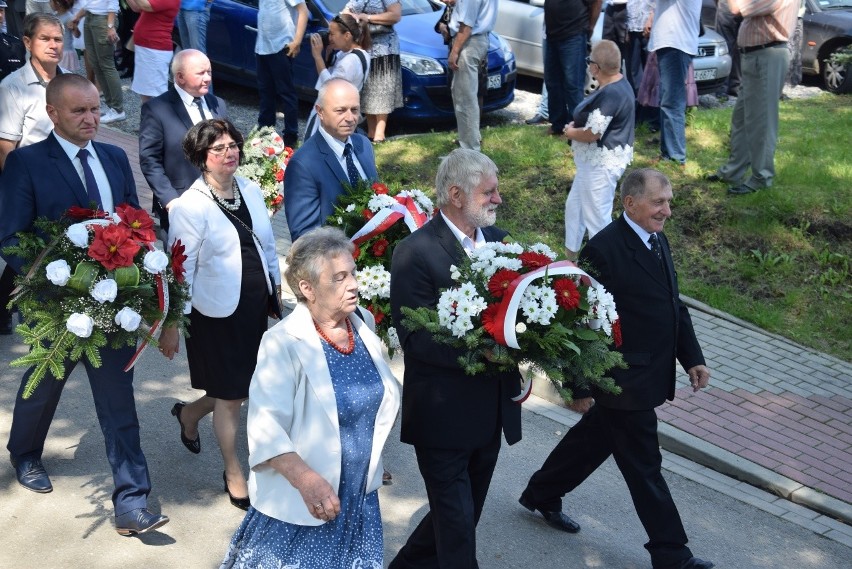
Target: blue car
(232,32)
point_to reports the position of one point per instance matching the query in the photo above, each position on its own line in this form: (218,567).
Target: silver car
(520,23)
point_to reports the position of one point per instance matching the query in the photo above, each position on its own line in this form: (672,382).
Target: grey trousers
(465,90)
(754,124)
(101,59)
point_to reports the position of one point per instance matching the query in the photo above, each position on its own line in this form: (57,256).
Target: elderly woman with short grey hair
(321,405)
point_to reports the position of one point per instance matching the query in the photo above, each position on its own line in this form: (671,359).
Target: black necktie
(655,248)
(91,184)
(351,170)
(197,102)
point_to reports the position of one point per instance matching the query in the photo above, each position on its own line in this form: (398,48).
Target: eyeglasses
(221,149)
(338,20)
(590,62)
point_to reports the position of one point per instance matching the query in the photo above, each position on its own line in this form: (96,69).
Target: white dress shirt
(188,102)
(104,189)
(338,147)
(467,243)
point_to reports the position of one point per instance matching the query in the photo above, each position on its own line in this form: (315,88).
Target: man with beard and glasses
(453,420)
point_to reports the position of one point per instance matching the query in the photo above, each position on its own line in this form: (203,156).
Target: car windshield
(408,6)
(834,4)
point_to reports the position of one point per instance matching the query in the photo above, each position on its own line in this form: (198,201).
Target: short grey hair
(336,83)
(636,182)
(179,60)
(463,168)
(307,255)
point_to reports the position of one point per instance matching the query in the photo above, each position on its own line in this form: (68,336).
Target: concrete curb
(706,454)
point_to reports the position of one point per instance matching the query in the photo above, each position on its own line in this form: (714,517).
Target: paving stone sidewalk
(773,403)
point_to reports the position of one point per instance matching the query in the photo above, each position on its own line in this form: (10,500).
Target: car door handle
(249,28)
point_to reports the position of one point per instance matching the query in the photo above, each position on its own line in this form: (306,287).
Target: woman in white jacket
(232,269)
(321,405)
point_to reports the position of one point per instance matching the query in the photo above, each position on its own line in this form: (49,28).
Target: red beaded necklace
(350,347)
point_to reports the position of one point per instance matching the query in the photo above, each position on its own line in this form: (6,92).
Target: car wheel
(836,76)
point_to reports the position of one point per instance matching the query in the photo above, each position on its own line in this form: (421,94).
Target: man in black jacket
(453,420)
(631,258)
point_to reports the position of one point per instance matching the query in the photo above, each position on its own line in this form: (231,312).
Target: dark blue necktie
(351,170)
(655,248)
(91,184)
(197,102)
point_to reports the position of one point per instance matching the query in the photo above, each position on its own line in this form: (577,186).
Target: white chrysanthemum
(520,328)
(454,273)
(350,208)
(543,249)
(379,202)
(373,282)
(58,272)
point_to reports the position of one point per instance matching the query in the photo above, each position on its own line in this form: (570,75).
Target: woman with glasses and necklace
(347,57)
(231,268)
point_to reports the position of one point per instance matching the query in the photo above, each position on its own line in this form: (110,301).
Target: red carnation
(489,319)
(567,295)
(83,213)
(380,188)
(501,280)
(616,332)
(533,260)
(379,247)
(277,199)
(178,258)
(140,223)
(113,246)
(279,175)
(377,313)
(367,214)
(288,152)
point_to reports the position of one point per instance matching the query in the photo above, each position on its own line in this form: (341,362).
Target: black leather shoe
(554,519)
(741,190)
(696,563)
(241,503)
(139,521)
(193,446)
(32,475)
(714,178)
(537,119)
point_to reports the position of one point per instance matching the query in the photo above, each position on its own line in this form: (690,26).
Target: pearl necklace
(350,346)
(221,201)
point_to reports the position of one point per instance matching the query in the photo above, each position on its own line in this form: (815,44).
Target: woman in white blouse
(347,57)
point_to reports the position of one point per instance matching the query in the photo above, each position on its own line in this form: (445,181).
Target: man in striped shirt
(762,41)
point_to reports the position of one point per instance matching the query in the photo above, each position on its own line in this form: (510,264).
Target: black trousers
(457,483)
(7,285)
(631,438)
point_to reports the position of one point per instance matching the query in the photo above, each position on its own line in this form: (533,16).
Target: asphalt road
(72,527)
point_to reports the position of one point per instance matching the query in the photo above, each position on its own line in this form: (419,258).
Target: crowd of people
(320,374)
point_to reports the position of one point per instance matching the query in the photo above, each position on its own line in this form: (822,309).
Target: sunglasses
(338,20)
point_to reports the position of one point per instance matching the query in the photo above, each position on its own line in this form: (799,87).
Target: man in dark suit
(631,258)
(335,155)
(453,420)
(44,180)
(166,120)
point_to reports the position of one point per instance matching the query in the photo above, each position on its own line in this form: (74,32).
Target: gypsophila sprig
(265,162)
(376,218)
(92,280)
(518,305)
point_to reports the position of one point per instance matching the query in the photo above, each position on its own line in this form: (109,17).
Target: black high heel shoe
(193,446)
(241,503)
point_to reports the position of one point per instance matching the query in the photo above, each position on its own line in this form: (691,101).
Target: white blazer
(214,265)
(292,408)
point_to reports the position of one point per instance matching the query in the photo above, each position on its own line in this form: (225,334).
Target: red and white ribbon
(406,209)
(163,304)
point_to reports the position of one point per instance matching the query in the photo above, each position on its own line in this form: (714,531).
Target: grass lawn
(779,258)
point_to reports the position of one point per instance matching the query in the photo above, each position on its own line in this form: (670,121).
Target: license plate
(494,81)
(705,74)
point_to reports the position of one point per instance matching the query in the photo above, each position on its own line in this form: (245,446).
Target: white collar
(72,149)
(643,235)
(466,242)
(336,145)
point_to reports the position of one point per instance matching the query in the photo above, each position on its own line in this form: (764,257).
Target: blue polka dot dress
(354,539)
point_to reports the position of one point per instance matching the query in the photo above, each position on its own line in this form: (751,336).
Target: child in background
(70,60)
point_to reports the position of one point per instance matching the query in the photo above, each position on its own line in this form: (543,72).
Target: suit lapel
(367,163)
(642,255)
(113,174)
(330,158)
(213,105)
(179,108)
(69,172)
(446,238)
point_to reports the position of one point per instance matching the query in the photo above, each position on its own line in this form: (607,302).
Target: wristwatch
(110,26)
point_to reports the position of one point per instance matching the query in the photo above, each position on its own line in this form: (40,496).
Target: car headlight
(721,48)
(505,47)
(420,65)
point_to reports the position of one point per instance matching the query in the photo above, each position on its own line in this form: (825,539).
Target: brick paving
(772,402)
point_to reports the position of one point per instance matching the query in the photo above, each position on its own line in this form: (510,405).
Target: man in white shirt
(166,120)
(280,29)
(470,24)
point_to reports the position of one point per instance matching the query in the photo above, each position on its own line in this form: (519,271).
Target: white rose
(128,319)
(58,272)
(520,328)
(80,325)
(105,290)
(155,261)
(78,235)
